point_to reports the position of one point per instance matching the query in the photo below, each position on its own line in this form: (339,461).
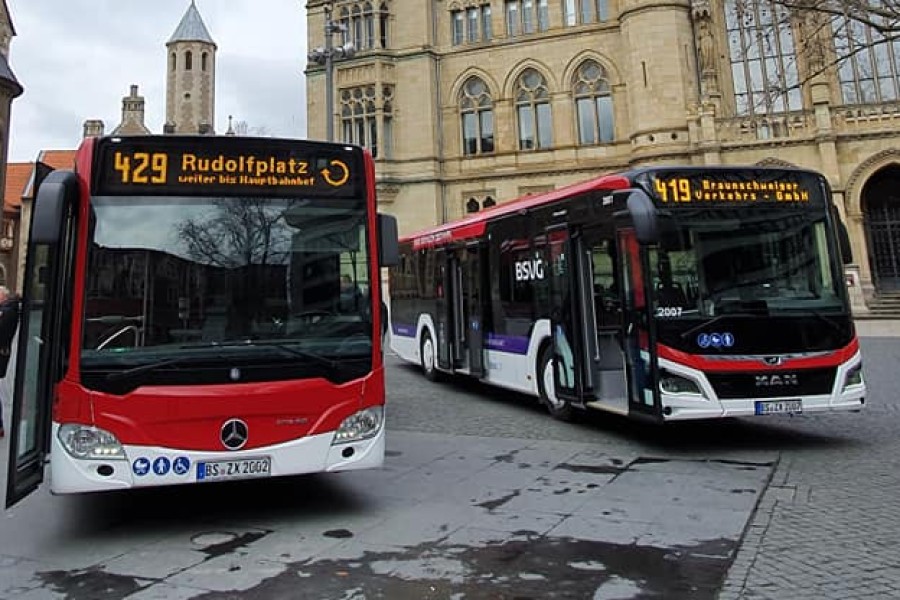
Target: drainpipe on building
(440,112)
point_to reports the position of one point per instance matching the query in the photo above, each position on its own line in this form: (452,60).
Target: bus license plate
(778,407)
(243,468)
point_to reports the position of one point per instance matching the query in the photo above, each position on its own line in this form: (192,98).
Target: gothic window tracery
(593,104)
(360,118)
(533,114)
(868,62)
(364,24)
(763,58)
(476,108)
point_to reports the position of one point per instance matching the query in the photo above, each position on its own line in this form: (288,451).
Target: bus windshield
(723,261)
(277,280)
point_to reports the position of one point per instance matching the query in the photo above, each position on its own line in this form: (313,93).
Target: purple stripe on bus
(403,330)
(514,344)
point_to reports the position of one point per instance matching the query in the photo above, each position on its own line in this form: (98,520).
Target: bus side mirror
(57,192)
(644,216)
(388,241)
(844,241)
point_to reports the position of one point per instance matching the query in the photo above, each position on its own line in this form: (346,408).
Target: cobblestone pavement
(829,524)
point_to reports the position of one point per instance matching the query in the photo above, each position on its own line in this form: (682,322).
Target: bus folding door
(640,350)
(564,317)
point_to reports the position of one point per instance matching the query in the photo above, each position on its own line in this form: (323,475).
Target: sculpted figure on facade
(706,45)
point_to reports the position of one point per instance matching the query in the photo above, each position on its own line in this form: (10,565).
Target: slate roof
(191,28)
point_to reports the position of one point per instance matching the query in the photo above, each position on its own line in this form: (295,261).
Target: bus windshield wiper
(312,356)
(152,366)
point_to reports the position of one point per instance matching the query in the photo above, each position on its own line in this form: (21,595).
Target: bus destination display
(703,189)
(228,166)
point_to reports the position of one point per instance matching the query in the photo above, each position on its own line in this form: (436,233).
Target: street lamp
(326,56)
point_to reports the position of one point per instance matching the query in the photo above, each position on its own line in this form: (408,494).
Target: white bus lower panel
(148,466)
(845,396)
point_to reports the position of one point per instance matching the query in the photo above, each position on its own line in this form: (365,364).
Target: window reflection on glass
(168,273)
(726,261)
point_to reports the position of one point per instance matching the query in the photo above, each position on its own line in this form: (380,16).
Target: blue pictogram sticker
(140,466)
(161,465)
(181,465)
(715,340)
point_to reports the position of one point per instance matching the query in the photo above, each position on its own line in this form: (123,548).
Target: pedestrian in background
(9,322)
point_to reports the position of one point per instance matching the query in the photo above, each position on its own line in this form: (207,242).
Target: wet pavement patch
(597,469)
(90,584)
(498,502)
(230,543)
(531,568)
(338,533)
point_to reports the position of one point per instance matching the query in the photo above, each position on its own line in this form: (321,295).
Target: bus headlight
(853,377)
(90,443)
(359,426)
(670,383)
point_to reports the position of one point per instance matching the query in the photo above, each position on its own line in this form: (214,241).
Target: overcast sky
(76,59)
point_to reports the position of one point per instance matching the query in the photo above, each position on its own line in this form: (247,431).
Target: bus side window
(606,292)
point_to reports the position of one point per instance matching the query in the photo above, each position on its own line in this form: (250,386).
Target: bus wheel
(559,408)
(428,357)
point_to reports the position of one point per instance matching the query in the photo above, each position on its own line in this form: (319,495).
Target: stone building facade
(10,88)
(466,103)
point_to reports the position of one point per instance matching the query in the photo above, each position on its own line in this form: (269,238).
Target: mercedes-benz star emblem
(234,434)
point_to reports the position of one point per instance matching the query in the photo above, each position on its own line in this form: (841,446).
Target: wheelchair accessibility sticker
(715,340)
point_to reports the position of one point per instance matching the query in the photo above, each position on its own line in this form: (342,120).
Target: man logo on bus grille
(780,379)
(234,434)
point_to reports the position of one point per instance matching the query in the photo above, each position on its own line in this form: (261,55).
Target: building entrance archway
(881,210)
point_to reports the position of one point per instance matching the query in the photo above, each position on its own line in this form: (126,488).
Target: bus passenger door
(474,319)
(610,390)
(457,304)
(444,312)
(43,332)
(642,396)
(564,316)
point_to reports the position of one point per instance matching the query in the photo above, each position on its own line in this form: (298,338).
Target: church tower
(191,79)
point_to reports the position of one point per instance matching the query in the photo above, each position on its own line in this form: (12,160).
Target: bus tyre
(558,408)
(428,356)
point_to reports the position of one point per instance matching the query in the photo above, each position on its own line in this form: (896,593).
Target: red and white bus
(666,293)
(185,315)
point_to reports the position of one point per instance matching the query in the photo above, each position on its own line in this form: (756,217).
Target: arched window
(476,110)
(203,60)
(535,119)
(357,26)
(369,26)
(472,206)
(188,60)
(593,104)
(488,202)
(383,15)
(387,121)
(174,61)
(344,21)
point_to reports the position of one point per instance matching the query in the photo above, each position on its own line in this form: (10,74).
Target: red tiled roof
(17,177)
(58,159)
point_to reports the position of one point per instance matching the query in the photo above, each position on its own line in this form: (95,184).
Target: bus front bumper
(148,466)
(843,397)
